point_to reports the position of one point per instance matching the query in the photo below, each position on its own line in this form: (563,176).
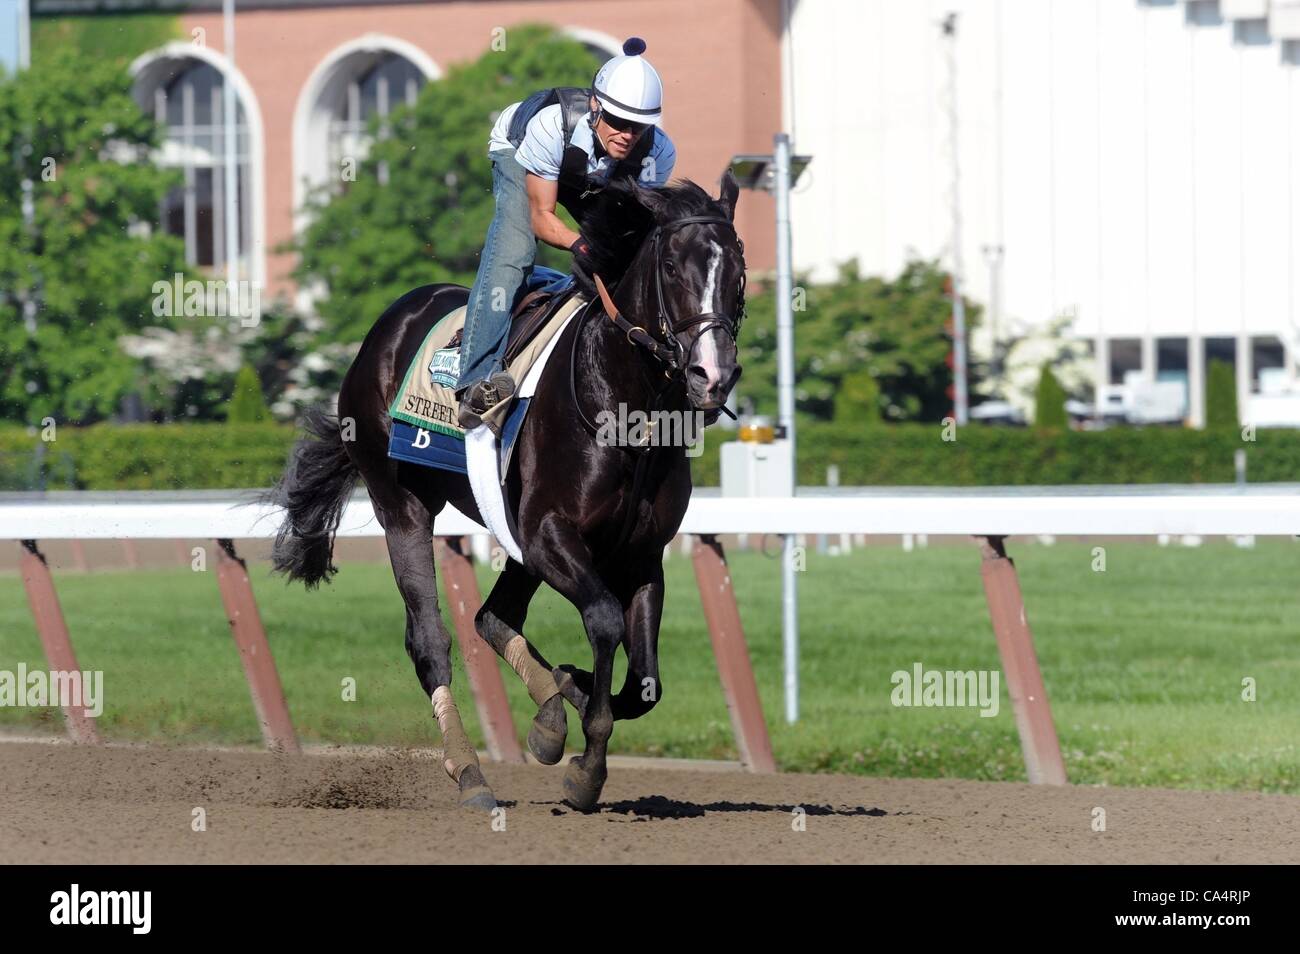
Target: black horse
(593,515)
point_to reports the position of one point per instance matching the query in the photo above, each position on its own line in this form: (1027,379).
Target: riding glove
(583,267)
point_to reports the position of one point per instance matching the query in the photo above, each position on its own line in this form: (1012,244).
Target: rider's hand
(583,267)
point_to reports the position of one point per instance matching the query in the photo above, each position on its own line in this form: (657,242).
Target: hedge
(917,455)
(154,456)
(196,456)
(1221,397)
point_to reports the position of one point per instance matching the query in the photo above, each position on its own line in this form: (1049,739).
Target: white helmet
(628,85)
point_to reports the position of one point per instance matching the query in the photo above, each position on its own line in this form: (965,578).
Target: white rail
(1126,511)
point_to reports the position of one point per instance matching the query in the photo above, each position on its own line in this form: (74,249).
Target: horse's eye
(671,269)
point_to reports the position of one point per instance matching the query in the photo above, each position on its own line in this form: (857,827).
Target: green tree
(1049,400)
(101,36)
(891,332)
(858,399)
(1221,397)
(70,127)
(247,403)
(419,208)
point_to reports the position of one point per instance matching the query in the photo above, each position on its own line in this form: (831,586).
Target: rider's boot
(483,395)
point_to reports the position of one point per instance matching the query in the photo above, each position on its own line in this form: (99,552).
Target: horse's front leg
(643,610)
(643,604)
(564,561)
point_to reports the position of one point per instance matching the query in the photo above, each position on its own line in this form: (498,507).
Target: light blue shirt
(542,150)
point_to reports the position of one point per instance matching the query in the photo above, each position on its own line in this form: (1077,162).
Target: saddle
(542,294)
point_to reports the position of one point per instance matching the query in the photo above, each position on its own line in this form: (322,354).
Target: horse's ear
(729,194)
(652,200)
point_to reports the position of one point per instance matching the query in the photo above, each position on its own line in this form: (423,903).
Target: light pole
(23,52)
(15,55)
(960,403)
(993,258)
(777,173)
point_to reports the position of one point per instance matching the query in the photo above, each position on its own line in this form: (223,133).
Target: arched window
(190,106)
(182,87)
(366,77)
(374,89)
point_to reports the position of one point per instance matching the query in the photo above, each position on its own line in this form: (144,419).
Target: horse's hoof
(544,741)
(575,685)
(582,787)
(474,791)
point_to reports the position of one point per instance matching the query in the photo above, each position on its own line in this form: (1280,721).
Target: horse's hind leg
(500,623)
(428,643)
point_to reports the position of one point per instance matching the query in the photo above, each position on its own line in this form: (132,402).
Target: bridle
(707,320)
(670,351)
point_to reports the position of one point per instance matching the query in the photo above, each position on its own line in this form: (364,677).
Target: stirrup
(483,395)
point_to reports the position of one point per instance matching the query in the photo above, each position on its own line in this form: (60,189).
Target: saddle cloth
(424,412)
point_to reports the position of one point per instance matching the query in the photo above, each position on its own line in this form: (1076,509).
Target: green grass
(1143,663)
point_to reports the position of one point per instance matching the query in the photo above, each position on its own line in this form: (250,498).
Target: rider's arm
(542,196)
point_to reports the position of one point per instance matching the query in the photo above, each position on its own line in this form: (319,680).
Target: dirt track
(64,804)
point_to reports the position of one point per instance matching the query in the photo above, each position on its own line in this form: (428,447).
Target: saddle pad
(427,397)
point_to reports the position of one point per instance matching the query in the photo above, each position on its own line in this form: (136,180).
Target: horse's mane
(617,222)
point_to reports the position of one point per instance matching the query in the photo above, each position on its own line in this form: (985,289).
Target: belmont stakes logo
(444,369)
(56,688)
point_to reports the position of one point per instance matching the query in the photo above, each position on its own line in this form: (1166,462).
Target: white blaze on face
(706,353)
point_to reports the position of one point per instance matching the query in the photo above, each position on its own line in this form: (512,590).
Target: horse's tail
(313,491)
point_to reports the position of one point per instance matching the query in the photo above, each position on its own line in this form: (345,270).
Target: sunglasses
(619,124)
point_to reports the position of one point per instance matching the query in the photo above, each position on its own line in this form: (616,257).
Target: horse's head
(687,278)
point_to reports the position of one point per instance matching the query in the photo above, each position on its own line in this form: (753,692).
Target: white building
(1134,161)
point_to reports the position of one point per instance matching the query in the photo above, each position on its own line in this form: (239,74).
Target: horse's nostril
(697,371)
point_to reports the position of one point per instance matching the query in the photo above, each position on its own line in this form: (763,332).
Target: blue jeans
(507,259)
